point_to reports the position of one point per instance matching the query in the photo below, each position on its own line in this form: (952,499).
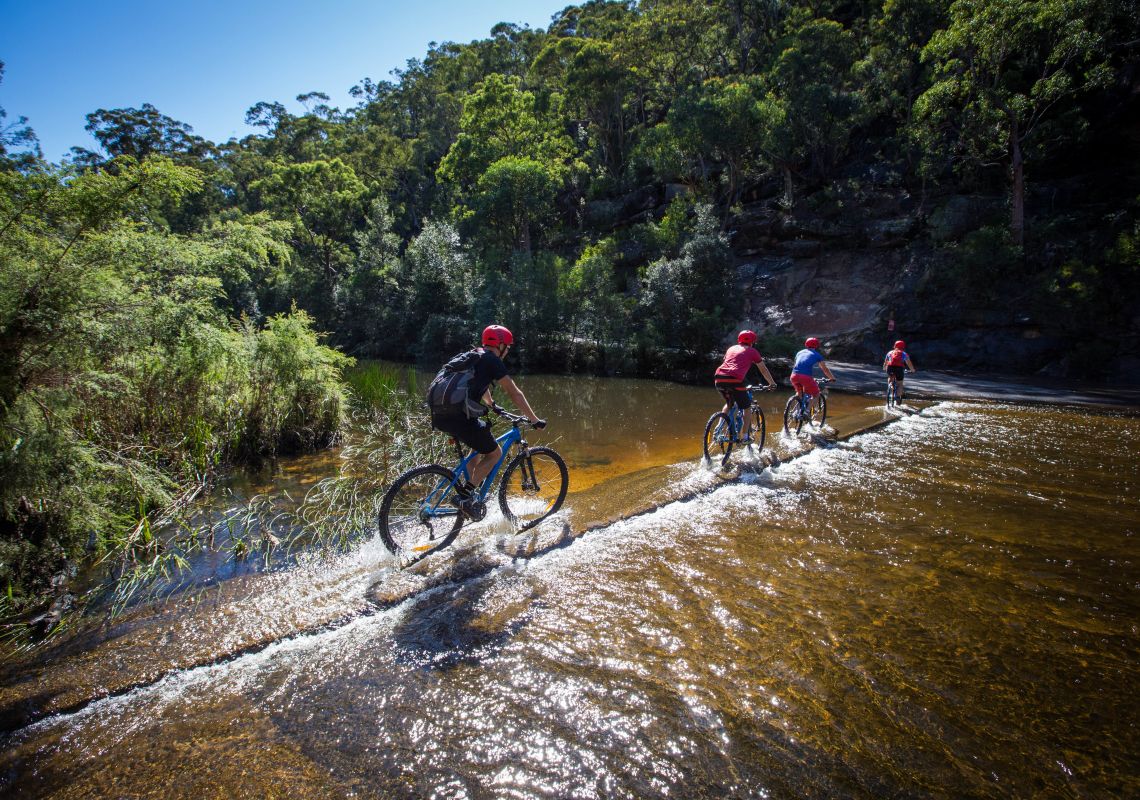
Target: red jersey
(737,360)
(895,358)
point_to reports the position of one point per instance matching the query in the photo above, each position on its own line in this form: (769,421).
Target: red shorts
(806,383)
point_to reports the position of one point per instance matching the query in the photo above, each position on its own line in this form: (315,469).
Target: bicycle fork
(529,478)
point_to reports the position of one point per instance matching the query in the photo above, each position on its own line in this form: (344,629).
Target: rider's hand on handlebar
(538,423)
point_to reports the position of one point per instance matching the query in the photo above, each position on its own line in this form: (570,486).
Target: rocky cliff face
(862,269)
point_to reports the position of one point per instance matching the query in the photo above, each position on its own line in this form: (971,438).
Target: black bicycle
(722,431)
(802,410)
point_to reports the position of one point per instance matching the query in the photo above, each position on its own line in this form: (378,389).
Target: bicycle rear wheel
(534,487)
(718,438)
(416,515)
(892,396)
(759,427)
(793,420)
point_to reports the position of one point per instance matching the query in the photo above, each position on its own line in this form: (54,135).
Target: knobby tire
(718,438)
(416,514)
(534,487)
(759,428)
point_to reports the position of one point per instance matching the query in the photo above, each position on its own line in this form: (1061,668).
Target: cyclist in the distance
(805,362)
(897,363)
(476,433)
(730,377)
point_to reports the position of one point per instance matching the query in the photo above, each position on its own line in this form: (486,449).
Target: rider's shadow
(449,623)
(453,626)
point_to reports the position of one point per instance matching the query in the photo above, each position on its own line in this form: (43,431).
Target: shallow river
(947,606)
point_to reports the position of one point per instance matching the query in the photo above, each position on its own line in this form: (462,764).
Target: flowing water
(947,606)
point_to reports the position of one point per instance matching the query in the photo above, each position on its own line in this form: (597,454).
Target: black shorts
(734,394)
(896,372)
(474,433)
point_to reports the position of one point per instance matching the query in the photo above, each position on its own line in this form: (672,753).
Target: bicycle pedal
(474,510)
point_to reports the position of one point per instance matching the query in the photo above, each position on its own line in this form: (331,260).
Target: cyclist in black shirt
(476,433)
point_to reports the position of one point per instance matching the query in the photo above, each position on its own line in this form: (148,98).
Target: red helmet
(495,335)
(746,337)
(811,343)
(900,345)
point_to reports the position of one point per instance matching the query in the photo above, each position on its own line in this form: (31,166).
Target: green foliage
(122,385)
(814,77)
(1007,75)
(513,195)
(522,179)
(1095,299)
(981,269)
(686,299)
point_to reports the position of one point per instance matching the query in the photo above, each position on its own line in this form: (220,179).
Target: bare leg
(481,465)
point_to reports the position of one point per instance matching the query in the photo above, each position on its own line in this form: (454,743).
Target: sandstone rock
(961,214)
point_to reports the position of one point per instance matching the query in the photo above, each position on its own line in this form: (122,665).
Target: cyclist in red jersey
(897,363)
(730,377)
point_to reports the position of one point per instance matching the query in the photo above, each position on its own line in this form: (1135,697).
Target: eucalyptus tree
(507,161)
(18,142)
(686,299)
(813,81)
(142,132)
(1008,77)
(324,202)
(892,72)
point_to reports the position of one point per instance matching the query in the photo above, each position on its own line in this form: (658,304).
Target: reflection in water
(946,607)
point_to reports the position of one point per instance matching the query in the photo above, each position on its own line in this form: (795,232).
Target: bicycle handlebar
(516,419)
(761,387)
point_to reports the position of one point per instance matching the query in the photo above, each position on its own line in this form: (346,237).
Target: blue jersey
(805,361)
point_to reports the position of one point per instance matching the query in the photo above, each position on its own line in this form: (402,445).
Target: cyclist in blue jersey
(805,362)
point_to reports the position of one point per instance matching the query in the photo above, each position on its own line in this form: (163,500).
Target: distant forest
(170,304)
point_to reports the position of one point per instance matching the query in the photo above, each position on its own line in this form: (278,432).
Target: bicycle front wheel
(416,515)
(793,420)
(718,438)
(533,487)
(818,411)
(759,427)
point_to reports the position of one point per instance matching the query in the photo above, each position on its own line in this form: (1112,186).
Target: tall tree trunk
(1017,221)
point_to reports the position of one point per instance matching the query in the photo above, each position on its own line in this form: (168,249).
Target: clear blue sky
(205,62)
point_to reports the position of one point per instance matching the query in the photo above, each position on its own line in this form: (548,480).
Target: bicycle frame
(736,414)
(507,441)
(437,504)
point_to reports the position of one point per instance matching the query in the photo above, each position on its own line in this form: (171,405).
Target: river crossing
(941,606)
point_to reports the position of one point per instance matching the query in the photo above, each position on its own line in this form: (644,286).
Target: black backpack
(448,394)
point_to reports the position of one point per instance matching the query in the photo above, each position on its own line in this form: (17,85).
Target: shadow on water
(447,628)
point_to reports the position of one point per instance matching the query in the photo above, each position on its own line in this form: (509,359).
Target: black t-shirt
(488,368)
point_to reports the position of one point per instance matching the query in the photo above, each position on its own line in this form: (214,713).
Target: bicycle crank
(475,511)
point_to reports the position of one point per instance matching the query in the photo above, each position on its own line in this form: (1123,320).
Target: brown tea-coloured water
(944,607)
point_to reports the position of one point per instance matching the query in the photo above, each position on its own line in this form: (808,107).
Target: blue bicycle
(802,410)
(722,431)
(421,512)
